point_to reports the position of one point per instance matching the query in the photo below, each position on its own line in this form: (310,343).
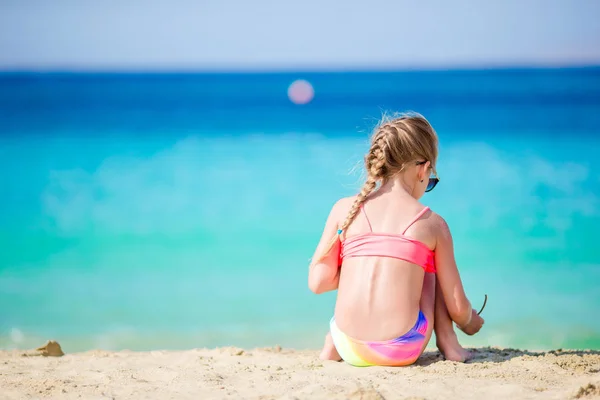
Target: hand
(474,325)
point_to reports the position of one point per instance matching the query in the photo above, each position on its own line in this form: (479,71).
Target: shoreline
(281,373)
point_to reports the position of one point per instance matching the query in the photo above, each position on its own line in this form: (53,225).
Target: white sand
(274,373)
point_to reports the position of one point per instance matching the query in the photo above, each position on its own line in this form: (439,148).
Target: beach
(281,373)
(144,216)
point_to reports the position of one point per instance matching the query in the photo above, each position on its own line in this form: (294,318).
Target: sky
(296,34)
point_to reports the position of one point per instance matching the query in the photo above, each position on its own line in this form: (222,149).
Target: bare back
(379,297)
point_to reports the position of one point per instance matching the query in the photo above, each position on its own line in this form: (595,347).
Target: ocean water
(175,211)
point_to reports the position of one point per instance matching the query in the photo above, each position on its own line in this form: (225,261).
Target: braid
(376,171)
(367,188)
(375,163)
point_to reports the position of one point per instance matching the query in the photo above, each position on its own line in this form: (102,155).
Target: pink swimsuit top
(389,245)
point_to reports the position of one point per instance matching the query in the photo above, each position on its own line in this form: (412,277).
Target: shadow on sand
(493,355)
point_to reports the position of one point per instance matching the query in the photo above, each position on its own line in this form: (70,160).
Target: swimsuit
(403,350)
(406,348)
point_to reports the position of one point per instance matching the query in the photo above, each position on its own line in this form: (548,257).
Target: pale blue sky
(296,34)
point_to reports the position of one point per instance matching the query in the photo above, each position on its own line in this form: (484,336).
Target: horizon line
(275,70)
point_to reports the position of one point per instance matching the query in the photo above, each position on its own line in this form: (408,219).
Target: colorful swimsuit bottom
(405,349)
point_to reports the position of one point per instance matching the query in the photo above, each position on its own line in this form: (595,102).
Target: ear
(423,171)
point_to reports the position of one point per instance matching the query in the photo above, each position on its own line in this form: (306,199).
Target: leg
(329,352)
(427,305)
(446,339)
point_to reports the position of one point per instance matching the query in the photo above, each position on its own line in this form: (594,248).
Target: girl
(392,259)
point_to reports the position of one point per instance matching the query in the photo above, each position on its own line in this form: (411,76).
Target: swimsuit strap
(362,207)
(419,215)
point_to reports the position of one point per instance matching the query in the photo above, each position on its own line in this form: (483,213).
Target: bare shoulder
(440,226)
(342,206)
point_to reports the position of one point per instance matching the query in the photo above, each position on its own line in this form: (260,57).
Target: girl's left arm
(324,271)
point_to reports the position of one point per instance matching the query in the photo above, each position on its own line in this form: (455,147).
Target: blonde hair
(396,141)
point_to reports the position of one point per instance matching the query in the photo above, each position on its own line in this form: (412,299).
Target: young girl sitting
(392,259)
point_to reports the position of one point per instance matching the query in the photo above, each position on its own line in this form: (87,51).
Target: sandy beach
(276,373)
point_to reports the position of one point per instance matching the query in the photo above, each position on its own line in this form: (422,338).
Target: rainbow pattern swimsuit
(405,349)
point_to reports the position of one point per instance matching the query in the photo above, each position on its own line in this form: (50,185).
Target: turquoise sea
(176,211)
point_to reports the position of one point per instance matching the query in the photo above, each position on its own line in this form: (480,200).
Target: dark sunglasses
(432,181)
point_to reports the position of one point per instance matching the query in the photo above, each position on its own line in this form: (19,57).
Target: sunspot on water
(301,92)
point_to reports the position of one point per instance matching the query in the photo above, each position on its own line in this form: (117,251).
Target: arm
(459,307)
(323,275)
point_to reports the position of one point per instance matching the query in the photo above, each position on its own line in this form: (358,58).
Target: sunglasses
(433,181)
